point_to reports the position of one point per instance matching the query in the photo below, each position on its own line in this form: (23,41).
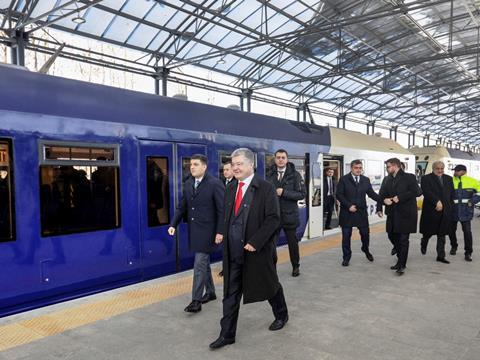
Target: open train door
(315,205)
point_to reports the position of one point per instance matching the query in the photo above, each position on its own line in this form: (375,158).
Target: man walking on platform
(466,195)
(252,219)
(437,209)
(399,193)
(202,203)
(351,192)
(329,191)
(290,189)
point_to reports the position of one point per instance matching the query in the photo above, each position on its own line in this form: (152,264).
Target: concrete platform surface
(363,312)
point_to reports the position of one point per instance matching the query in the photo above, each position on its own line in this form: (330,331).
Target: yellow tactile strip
(26,331)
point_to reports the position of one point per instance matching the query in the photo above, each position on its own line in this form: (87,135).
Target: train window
(223,158)
(158,191)
(185,169)
(79,188)
(7,218)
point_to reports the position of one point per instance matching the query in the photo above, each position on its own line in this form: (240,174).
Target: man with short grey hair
(252,219)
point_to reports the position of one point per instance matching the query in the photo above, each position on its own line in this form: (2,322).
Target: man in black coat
(252,219)
(437,209)
(202,203)
(351,192)
(227,173)
(290,188)
(399,193)
(329,193)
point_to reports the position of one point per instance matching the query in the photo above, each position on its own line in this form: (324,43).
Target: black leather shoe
(453,251)
(296,272)
(345,263)
(393,252)
(468,257)
(328,228)
(369,256)
(194,307)
(221,342)
(423,247)
(220,273)
(208,297)
(400,271)
(395,267)
(278,324)
(443,260)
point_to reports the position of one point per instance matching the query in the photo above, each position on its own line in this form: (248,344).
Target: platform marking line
(27,331)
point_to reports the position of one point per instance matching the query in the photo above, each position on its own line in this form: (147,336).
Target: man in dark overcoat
(202,204)
(351,192)
(437,208)
(290,188)
(399,193)
(252,219)
(329,196)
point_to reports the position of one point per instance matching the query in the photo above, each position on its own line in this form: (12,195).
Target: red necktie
(238,199)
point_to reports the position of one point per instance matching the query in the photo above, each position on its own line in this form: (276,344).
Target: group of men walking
(247,213)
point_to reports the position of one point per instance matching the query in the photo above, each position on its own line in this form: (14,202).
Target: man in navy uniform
(202,203)
(252,220)
(351,192)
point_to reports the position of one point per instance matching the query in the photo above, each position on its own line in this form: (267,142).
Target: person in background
(329,191)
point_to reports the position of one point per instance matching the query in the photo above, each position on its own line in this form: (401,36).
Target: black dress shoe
(278,324)
(369,256)
(296,272)
(423,248)
(393,252)
(395,267)
(221,342)
(345,263)
(400,271)
(468,257)
(208,297)
(453,251)
(194,307)
(443,260)
(220,273)
(328,228)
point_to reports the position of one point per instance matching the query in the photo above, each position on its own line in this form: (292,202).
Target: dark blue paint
(41,270)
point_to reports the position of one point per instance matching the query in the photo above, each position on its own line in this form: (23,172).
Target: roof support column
(17,47)
(426,140)
(246,96)
(302,112)
(161,74)
(411,139)
(341,117)
(371,127)
(393,133)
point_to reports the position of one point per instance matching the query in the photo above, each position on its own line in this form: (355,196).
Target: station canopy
(414,63)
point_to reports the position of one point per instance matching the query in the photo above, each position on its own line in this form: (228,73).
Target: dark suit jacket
(402,216)
(434,222)
(349,193)
(204,210)
(325,187)
(260,227)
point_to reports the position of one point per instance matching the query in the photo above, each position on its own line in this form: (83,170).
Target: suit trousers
(202,276)
(401,244)
(440,244)
(328,209)
(292,240)
(346,240)
(231,302)
(467,236)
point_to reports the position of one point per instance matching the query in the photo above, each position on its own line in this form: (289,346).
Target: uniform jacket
(349,193)
(465,197)
(203,208)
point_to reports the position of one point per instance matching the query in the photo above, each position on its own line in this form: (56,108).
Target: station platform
(364,311)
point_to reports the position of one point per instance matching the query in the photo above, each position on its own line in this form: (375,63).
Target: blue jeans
(202,276)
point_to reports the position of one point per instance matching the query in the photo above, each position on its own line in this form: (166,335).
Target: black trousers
(401,244)
(231,302)
(467,236)
(328,209)
(346,240)
(440,244)
(292,240)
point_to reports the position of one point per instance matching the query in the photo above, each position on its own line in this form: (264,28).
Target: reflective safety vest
(466,195)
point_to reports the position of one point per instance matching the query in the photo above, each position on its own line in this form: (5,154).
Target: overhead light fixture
(221,61)
(78,19)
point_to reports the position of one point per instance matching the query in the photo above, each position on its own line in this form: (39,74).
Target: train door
(164,167)
(331,164)
(315,203)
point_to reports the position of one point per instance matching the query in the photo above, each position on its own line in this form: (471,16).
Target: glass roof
(410,62)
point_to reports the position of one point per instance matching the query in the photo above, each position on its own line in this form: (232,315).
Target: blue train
(90,176)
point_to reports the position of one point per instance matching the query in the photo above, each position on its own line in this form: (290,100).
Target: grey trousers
(202,276)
